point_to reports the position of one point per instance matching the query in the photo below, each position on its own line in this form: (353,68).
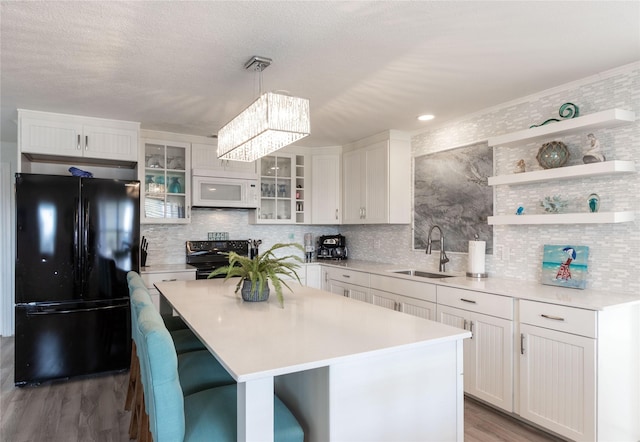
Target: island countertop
(314,329)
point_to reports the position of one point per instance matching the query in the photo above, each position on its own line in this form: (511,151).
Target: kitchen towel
(475,265)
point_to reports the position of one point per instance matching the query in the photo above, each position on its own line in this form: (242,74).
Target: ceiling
(364,66)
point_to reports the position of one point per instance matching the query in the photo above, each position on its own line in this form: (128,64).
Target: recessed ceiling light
(426,117)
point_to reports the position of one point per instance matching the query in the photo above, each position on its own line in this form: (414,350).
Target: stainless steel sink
(421,274)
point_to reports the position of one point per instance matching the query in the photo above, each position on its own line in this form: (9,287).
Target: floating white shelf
(563,173)
(604,119)
(564,218)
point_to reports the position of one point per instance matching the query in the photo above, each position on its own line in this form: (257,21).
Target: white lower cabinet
(349,290)
(151,277)
(313,276)
(558,368)
(404,304)
(572,371)
(411,297)
(488,354)
(349,283)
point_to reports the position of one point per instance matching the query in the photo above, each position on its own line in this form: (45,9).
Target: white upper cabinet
(377,180)
(205,156)
(46,135)
(326,189)
(165,179)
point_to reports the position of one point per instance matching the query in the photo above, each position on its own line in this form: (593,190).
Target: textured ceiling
(365,66)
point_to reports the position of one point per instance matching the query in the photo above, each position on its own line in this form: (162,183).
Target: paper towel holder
(470,273)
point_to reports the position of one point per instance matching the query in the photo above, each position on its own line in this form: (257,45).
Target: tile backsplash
(614,249)
(167,241)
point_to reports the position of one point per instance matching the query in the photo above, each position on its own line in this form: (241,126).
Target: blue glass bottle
(175,186)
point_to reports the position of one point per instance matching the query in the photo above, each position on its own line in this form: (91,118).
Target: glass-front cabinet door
(164,174)
(276,200)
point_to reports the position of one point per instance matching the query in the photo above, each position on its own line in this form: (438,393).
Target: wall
(614,248)
(8,160)
(167,241)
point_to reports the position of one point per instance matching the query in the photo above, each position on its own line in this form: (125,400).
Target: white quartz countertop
(516,288)
(166,268)
(314,329)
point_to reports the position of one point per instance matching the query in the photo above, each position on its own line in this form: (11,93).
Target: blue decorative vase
(175,186)
(594,202)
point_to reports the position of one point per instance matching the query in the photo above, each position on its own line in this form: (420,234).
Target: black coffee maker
(331,247)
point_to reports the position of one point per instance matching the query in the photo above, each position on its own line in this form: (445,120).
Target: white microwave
(210,191)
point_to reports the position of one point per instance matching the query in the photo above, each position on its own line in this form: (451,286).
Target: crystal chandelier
(270,123)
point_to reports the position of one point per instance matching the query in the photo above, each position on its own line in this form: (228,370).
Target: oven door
(224,192)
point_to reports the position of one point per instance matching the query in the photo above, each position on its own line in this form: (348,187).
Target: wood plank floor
(91,409)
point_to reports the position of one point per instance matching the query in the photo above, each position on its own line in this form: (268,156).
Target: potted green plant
(255,272)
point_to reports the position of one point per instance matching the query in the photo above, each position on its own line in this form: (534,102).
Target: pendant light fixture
(271,122)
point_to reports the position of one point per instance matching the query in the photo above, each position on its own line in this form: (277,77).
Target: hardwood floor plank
(92,410)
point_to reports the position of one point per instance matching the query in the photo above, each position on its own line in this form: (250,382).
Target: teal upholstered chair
(198,369)
(208,415)
(185,340)
(171,322)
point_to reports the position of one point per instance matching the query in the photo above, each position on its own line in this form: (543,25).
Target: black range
(207,256)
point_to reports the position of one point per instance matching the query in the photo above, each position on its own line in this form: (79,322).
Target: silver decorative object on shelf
(594,154)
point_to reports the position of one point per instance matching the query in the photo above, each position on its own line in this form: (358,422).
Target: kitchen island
(348,370)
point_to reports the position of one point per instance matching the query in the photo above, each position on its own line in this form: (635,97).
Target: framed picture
(565,266)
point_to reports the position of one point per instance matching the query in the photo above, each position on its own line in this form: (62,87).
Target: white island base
(348,370)
(410,395)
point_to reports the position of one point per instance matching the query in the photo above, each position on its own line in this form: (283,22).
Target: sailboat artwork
(565,266)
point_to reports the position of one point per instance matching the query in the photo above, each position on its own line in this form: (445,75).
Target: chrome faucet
(443,255)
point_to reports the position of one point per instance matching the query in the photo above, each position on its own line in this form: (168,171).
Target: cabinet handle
(465,324)
(470,301)
(86,142)
(521,343)
(471,328)
(78,146)
(554,318)
(169,280)
(346,293)
(336,214)
(346,276)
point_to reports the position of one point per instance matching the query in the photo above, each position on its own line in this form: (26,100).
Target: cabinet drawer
(559,317)
(413,289)
(486,303)
(350,276)
(151,278)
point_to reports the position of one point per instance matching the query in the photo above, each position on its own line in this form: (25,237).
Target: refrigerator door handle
(78,310)
(77,276)
(85,245)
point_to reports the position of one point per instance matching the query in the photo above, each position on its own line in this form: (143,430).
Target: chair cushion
(185,341)
(174,322)
(211,415)
(200,370)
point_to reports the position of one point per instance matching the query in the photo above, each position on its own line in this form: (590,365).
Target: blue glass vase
(594,202)
(175,186)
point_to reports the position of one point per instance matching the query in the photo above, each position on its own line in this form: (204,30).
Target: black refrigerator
(76,240)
